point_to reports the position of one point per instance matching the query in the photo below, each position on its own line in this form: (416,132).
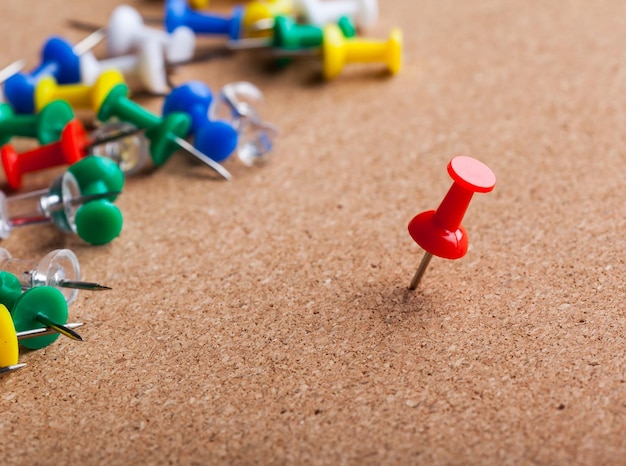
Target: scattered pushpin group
(439,232)
(34,295)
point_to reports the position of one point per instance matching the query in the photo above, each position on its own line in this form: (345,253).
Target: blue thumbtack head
(217,138)
(59,59)
(179,13)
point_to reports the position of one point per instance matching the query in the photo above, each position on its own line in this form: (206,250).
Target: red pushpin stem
(439,232)
(68,150)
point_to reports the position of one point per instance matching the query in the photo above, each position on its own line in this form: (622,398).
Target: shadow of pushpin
(439,232)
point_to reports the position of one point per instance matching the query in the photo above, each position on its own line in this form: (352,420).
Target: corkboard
(267,320)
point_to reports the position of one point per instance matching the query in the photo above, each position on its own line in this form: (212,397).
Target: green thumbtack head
(107,108)
(347,27)
(289,35)
(52,119)
(6,113)
(164,134)
(46,127)
(162,144)
(98,222)
(96,175)
(10,289)
(36,308)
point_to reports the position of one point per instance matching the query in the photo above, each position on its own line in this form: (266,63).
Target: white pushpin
(364,13)
(237,105)
(126,32)
(146,66)
(58,268)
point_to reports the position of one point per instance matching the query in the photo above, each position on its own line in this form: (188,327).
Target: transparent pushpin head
(92,217)
(56,268)
(237,104)
(41,206)
(131,152)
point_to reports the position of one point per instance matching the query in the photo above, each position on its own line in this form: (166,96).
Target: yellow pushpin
(9,352)
(79,96)
(258,16)
(339,51)
(198,4)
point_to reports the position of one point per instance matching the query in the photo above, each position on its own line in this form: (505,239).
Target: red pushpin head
(440,232)
(70,149)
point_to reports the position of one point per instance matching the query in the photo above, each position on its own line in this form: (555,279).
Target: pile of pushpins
(119,137)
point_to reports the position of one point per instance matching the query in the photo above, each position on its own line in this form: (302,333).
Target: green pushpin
(97,175)
(289,36)
(46,126)
(39,307)
(93,217)
(165,134)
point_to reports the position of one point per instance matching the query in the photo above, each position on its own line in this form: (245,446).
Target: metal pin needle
(79,285)
(43,331)
(419,273)
(7,369)
(62,329)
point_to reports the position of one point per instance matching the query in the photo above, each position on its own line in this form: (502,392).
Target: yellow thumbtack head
(9,352)
(259,11)
(339,51)
(79,96)
(198,4)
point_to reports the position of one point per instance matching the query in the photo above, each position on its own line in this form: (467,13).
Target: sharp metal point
(61,205)
(14,367)
(419,273)
(62,329)
(40,332)
(13,68)
(90,41)
(78,285)
(93,197)
(187,147)
(262,25)
(113,137)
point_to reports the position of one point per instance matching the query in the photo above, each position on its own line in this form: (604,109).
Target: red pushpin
(73,146)
(440,232)
(68,150)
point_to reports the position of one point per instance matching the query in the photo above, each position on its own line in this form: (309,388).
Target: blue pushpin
(217,138)
(179,13)
(59,58)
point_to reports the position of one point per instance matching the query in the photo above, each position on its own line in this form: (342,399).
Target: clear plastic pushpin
(237,104)
(92,217)
(58,268)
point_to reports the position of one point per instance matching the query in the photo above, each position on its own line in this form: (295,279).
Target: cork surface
(267,320)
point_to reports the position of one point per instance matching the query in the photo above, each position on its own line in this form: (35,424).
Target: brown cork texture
(267,320)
